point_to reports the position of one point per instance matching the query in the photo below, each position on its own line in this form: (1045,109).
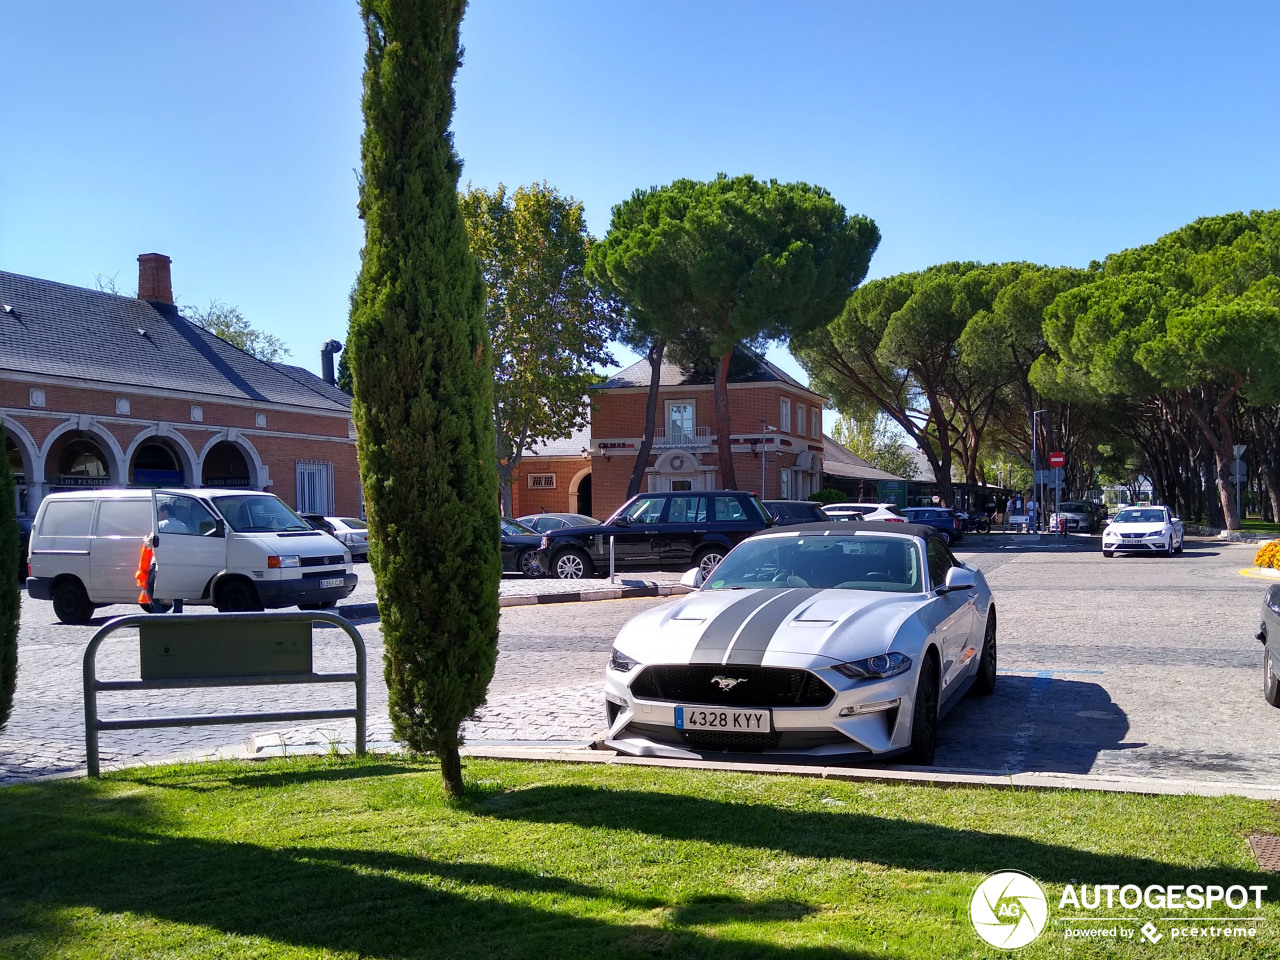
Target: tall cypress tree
(10,599)
(423,378)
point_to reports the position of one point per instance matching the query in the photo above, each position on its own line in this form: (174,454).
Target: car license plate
(714,718)
(326,584)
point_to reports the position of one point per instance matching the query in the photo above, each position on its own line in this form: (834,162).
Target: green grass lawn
(1254,525)
(327,857)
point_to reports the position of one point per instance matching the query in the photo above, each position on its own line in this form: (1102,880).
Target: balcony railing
(698,438)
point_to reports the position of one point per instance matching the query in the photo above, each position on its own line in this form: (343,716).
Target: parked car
(672,529)
(542,522)
(787,512)
(888,512)
(352,532)
(942,519)
(1080,516)
(824,641)
(235,549)
(520,545)
(1269,630)
(1143,530)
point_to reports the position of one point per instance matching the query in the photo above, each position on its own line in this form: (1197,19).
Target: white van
(235,549)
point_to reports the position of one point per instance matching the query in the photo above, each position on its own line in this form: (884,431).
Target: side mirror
(1176,520)
(958,578)
(692,578)
(219,528)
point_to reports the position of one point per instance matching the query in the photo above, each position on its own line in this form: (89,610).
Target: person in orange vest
(145,577)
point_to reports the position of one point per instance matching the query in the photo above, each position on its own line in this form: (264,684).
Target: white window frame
(784,415)
(815,423)
(800,427)
(784,484)
(693,418)
(315,487)
(542,486)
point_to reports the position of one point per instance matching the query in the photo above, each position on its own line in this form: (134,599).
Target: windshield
(514,528)
(855,562)
(259,514)
(1139,516)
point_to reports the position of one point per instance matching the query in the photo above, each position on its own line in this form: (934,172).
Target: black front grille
(321,561)
(755,687)
(723,740)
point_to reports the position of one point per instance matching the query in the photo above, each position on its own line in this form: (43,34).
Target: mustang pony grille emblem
(727,683)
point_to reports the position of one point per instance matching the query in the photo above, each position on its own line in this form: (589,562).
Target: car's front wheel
(1108,553)
(238,596)
(528,564)
(985,683)
(573,564)
(708,559)
(1270,685)
(924,715)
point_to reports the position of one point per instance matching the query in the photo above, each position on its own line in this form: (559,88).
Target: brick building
(99,390)
(777,440)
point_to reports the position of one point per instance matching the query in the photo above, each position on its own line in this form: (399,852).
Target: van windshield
(259,514)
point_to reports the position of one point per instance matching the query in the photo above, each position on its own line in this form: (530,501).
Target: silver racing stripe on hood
(720,632)
(755,637)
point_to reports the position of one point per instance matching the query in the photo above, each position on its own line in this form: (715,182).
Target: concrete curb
(919,776)
(369,611)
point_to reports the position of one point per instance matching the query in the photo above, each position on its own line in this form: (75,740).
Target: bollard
(611,570)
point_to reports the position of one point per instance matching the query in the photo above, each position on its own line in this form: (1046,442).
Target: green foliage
(10,597)
(423,378)
(733,261)
(548,323)
(228,322)
(828,495)
(875,440)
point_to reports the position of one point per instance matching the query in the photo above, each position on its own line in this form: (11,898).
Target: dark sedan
(543,522)
(687,528)
(942,519)
(1270,630)
(520,549)
(787,512)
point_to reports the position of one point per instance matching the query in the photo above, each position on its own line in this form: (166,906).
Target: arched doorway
(77,460)
(19,466)
(225,465)
(156,464)
(580,493)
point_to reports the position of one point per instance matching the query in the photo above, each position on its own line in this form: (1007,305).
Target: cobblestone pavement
(1132,666)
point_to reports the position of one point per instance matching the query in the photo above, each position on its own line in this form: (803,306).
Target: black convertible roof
(857,526)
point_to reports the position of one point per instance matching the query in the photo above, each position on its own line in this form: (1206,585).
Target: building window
(542,481)
(800,431)
(123,406)
(784,477)
(315,487)
(681,485)
(815,423)
(680,422)
(197,414)
(36,397)
(784,416)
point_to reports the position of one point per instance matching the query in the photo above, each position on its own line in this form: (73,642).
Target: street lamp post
(1035,463)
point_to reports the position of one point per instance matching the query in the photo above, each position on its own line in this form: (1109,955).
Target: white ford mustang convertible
(826,642)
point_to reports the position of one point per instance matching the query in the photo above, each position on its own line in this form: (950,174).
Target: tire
(1181,543)
(707,559)
(1108,553)
(237,596)
(70,602)
(984,683)
(924,715)
(573,564)
(982,526)
(945,536)
(156,606)
(528,563)
(1270,686)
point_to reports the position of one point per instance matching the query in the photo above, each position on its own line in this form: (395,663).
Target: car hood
(312,543)
(751,626)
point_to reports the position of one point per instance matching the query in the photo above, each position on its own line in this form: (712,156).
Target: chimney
(326,360)
(154,283)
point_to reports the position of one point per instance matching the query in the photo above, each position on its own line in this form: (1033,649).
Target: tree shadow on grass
(904,844)
(214,778)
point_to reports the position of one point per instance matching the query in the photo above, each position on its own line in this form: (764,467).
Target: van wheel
(71,603)
(237,596)
(156,606)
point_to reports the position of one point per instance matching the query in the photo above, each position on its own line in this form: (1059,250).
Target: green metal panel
(892,491)
(223,649)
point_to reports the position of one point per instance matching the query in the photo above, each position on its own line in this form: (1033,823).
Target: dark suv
(679,529)
(942,519)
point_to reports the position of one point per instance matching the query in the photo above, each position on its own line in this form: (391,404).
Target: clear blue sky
(226,134)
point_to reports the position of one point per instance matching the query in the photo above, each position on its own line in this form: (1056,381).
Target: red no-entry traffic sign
(1057,459)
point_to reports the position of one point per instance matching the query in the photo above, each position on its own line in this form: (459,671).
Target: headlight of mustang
(621,662)
(872,668)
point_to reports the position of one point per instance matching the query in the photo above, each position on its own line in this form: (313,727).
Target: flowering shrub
(1268,555)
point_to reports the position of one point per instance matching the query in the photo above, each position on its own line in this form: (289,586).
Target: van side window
(67,518)
(185,516)
(124,518)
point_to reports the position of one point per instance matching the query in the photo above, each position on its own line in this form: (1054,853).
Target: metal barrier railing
(193,651)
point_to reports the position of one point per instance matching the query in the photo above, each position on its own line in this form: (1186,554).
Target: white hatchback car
(887,512)
(1143,530)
